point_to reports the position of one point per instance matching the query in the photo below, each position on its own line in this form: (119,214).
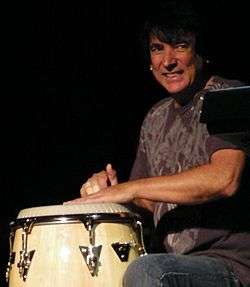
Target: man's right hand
(99,181)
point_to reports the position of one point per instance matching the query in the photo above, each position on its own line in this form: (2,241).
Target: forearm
(219,178)
(204,183)
(189,187)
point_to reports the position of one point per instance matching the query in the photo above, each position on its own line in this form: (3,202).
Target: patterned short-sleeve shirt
(173,140)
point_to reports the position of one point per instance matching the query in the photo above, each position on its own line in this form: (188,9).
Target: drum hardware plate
(122,250)
(91,256)
(25,255)
(24,263)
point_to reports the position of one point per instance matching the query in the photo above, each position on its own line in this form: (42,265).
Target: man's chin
(175,85)
(173,88)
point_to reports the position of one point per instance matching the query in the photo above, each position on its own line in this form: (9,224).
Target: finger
(100,179)
(85,189)
(89,187)
(75,201)
(93,186)
(83,192)
(111,173)
(91,198)
(97,198)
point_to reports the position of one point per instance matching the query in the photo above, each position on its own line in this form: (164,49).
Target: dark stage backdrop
(88,92)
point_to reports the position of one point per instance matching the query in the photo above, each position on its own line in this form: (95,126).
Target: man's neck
(186,96)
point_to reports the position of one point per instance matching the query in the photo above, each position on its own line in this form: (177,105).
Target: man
(194,183)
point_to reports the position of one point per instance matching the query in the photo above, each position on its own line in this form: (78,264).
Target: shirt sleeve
(222,141)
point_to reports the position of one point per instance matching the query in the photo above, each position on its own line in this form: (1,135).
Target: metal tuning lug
(25,255)
(9,266)
(91,256)
(122,250)
(141,247)
(12,256)
(91,253)
(90,227)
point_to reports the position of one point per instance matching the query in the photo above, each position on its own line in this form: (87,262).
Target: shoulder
(217,82)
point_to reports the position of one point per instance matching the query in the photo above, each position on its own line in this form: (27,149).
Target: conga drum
(87,245)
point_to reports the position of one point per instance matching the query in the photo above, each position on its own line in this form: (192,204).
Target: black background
(83,102)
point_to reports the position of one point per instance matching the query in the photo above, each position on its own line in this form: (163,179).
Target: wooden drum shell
(58,261)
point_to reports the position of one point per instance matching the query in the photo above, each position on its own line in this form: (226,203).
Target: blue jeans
(164,270)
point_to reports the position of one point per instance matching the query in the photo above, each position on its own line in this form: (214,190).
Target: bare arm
(217,179)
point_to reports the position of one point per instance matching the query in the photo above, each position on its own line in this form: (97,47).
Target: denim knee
(142,272)
(158,270)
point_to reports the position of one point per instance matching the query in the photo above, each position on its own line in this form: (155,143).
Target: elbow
(227,166)
(230,187)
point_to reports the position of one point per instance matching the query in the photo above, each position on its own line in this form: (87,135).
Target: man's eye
(181,46)
(155,48)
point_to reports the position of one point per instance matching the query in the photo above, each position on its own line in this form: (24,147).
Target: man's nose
(170,67)
(169,60)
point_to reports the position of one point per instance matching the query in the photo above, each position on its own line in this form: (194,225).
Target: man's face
(173,65)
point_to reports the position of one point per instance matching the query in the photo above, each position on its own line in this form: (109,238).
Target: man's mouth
(172,74)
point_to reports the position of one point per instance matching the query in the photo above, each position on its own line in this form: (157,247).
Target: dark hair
(171,23)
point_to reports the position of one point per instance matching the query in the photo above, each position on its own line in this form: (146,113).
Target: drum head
(63,210)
